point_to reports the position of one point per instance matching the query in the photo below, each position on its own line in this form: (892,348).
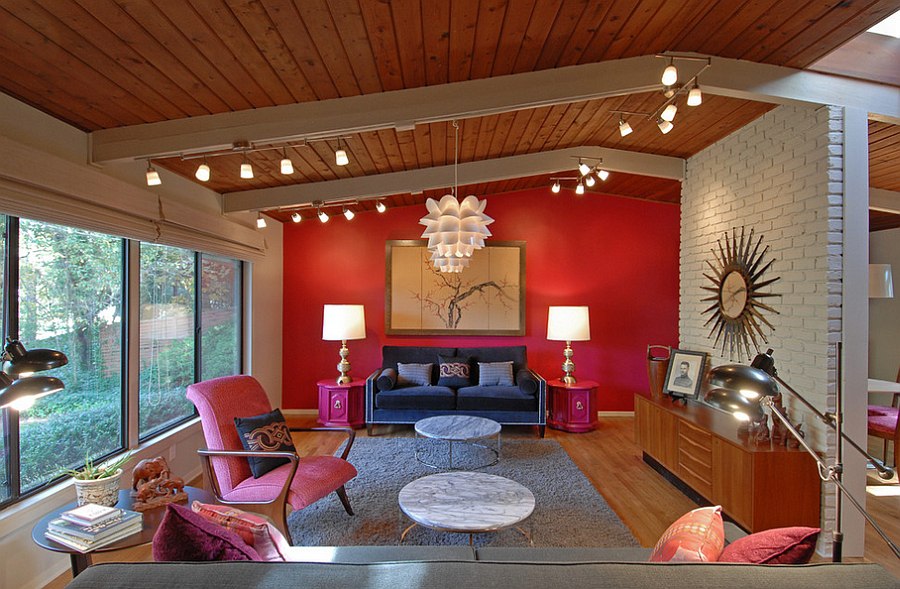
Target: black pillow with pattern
(455,372)
(266,432)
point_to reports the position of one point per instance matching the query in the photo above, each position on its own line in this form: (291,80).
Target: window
(220,316)
(70,299)
(167,336)
(4,444)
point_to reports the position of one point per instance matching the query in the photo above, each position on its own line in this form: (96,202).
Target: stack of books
(91,526)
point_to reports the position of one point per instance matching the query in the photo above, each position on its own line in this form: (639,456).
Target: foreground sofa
(463,567)
(391,402)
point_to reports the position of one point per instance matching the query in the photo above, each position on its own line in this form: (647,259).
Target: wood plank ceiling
(100,64)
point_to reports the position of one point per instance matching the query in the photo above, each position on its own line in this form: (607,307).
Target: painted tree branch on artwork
(453,294)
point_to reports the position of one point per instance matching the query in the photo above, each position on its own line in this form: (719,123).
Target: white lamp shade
(343,322)
(568,324)
(881,283)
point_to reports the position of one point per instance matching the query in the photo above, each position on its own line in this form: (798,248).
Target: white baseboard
(615,414)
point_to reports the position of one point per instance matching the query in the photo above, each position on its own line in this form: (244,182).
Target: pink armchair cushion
(316,477)
(885,421)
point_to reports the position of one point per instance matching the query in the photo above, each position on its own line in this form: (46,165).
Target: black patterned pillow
(492,374)
(454,372)
(414,374)
(266,432)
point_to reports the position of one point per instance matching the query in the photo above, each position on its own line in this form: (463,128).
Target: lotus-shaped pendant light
(454,229)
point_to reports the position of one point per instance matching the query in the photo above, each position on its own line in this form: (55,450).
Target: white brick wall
(781,176)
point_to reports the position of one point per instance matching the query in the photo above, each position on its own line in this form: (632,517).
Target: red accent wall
(617,255)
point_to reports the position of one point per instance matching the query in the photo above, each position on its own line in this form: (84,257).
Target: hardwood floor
(609,457)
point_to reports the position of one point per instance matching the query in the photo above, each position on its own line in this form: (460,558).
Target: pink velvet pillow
(184,535)
(777,546)
(697,536)
(255,530)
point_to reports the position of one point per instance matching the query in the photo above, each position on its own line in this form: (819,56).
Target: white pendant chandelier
(455,230)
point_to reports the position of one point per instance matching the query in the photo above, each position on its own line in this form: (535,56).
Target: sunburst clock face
(737,311)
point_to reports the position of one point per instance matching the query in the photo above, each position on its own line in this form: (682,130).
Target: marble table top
(468,502)
(457,427)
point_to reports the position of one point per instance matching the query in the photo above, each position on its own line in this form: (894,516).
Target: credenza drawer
(697,437)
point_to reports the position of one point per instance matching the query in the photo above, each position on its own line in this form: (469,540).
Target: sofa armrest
(528,381)
(371,389)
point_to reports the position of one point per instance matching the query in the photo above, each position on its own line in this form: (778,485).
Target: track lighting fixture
(579,188)
(349,214)
(587,176)
(583,168)
(152,175)
(664,126)
(202,172)
(624,127)
(695,98)
(380,207)
(287,166)
(260,221)
(589,180)
(668,113)
(296,217)
(323,216)
(246,169)
(556,187)
(670,74)
(340,156)
(603,175)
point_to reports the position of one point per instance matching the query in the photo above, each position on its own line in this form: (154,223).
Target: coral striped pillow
(697,536)
(414,374)
(492,374)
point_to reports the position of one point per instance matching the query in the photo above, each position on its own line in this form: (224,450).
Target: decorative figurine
(154,485)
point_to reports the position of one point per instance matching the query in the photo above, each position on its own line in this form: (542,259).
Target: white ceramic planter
(99,491)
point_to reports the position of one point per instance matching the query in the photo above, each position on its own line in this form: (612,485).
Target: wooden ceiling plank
(382,38)
(469,132)
(760,30)
(592,22)
(491,15)
(661,25)
(542,16)
(572,113)
(715,16)
(359,155)
(56,26)
(668,36)
(640,18)
(133,34)
(512,36)
(351,27)
(720,35)
(485,135)
(53,100)
(537,119)
(516,135)
(463,21)
(422,138)
(407,17)
(562,28)
(376,151)
(388,138)
(436,41)
(407,144)
(441,135)
(501,133)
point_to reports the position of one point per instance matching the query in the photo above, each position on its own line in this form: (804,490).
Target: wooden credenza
(758,486)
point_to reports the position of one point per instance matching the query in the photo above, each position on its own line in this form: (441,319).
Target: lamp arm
(884,472)
(828,473)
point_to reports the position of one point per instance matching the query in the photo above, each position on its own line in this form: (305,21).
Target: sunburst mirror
(737,311)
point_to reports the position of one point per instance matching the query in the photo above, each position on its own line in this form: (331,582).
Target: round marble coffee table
(459,429)
(466,502)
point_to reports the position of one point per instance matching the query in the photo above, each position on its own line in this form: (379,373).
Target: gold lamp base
(568,366)
(344,365)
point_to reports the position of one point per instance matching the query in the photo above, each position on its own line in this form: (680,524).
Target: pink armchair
(884,423)
(301,482)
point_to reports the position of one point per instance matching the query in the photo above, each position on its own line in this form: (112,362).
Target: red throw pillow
(777,546)
(697,536)
(255,530)
(185,535)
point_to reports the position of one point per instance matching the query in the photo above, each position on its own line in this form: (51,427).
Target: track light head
(153,178)
(287,166)
(589,180)
(296,217)
(202,172)
(695,97)
(260,221)
(624,128)
(670,74)
(323,216)
(579,188)
(349,214)
(246,169)
(380,207)
(583,168)
(668,113)
(664,126)
(555,188)
(603,175)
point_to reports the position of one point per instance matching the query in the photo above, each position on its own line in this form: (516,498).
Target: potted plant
(98,483)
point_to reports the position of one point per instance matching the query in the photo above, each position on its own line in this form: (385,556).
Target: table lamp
(342,323)
(568,324)
(748,391)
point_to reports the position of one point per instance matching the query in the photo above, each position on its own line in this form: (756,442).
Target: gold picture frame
(487,298)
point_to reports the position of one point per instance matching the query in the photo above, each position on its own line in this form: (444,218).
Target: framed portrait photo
(685,373)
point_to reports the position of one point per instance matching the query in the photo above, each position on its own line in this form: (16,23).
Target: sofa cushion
(495,374)
(267,432)
(185,535)
(776,546)
(430,397)
(255,530)
(455,371)
(496,354)
(414,374)
(494,399)
(387,379)
(697,536)
(527,382)
(392,355)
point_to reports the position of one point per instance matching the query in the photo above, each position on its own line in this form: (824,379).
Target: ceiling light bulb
(380,207)
(348,213)
(152,176)
(246,169)
(664,126)
(579,189)
(296,217)
(695,98)
(624,127)
(287,166)
(668,113)
(340,158)
(323,216)
(202,172)
(583,168)
(589,180)
(670,74)
(555,188)
(603,175)
(260,221)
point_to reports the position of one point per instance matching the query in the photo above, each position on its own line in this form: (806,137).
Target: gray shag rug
(568,510)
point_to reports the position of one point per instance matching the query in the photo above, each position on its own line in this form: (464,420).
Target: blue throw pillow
(454,372)
(266,432)
(414,374)
(491,374)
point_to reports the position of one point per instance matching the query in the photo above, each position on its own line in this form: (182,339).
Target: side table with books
(136,530)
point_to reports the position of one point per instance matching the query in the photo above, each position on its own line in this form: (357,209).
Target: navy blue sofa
(389,403)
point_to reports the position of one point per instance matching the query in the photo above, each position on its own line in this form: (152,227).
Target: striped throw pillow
(414,374)
(491,374)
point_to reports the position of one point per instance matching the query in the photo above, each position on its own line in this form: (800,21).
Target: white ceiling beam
(517,166)
(886,201)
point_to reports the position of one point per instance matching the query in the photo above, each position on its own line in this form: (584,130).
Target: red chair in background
(301,482)
(884,423)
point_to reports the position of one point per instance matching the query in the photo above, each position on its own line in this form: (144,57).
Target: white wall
(884,314)
(22,563)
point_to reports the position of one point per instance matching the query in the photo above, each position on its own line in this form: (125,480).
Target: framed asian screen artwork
(486,298)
